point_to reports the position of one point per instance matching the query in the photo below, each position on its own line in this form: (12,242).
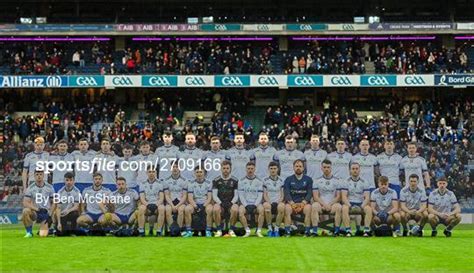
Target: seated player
(297,190)
(94,208)
(384,204)
(443,208)
(175,195)
(225,197)
(250,197)
(199,198)
(273,197)
(124,214)
(355,199)
(413,206)
(151,204)
(37,205)
(66,211)
(326,198)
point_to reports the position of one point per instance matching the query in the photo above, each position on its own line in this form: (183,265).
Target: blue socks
(29,229)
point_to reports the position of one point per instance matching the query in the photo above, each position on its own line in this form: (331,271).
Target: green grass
(295,254)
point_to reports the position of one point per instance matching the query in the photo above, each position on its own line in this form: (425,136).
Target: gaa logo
(86,81)
(122,81)
(232,81)
(304,81)
(267,81)
(263,28)
(53,81)
(348,27)
(377,80)
(194,81)
(340,80)
(159,81)
(306,27)
(414,80)
(220,27)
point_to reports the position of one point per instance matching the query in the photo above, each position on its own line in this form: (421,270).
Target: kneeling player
(443,208)
(355,199)
(95,205)
(37,205)
(413,206)
(273,196)
(384,204)
(66,210)
(199,199)
(125,205)
(250,196)
(297,191)
(151,204)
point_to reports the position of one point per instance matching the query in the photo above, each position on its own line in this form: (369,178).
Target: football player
(443,208)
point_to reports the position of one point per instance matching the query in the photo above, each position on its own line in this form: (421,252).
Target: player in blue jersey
(443,208)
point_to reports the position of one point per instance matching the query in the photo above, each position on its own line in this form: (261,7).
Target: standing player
(414,164)
(83,165)
(389,165)
(239,156)
(250,196)
(443,208)
(286,157)
(66,213)
(106,163)
(199,198)
(189,157)
(355,199)
(175,195)
(367,162)
(125,170)
(314,157)
(263,155)
(29,164)
(413,206)
(61,158)
(37,205)
(273,197)
(225,196)
(326,197)
(124,208)
(214,159)
(340,160)
(145,159)
(384,204)
(297,190)
(168,153)
(151,204)
(94,208)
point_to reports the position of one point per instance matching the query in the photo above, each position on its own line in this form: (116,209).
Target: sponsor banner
(341,80)
(156,27)
(411,26)
(196,81)
(306,27)
(54,28)
(268,80)
(263,27)
(378,80)
(465,26)
(220,27)
(305,80)
(231,81)
(451,80)
(415,80)
(348,27)
(8,218)
(123,81)
(33,81)
(159,81)
(86,81)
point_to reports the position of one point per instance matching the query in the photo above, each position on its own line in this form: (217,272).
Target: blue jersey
(286,158)
(389,166)
(297,190)
(340,164)
(263,156)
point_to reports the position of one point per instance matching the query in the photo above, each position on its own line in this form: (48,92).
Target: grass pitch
(295,254)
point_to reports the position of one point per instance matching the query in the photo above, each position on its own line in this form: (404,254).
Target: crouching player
(95,206)
(66,208)
(413,206)
(384,204)
(175,195)
(37,205)
(273,196)
(298,189)
(355,197)
(125,206)
(443,208)
(250,196)
(225,197)
(151,204)
(199,199)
